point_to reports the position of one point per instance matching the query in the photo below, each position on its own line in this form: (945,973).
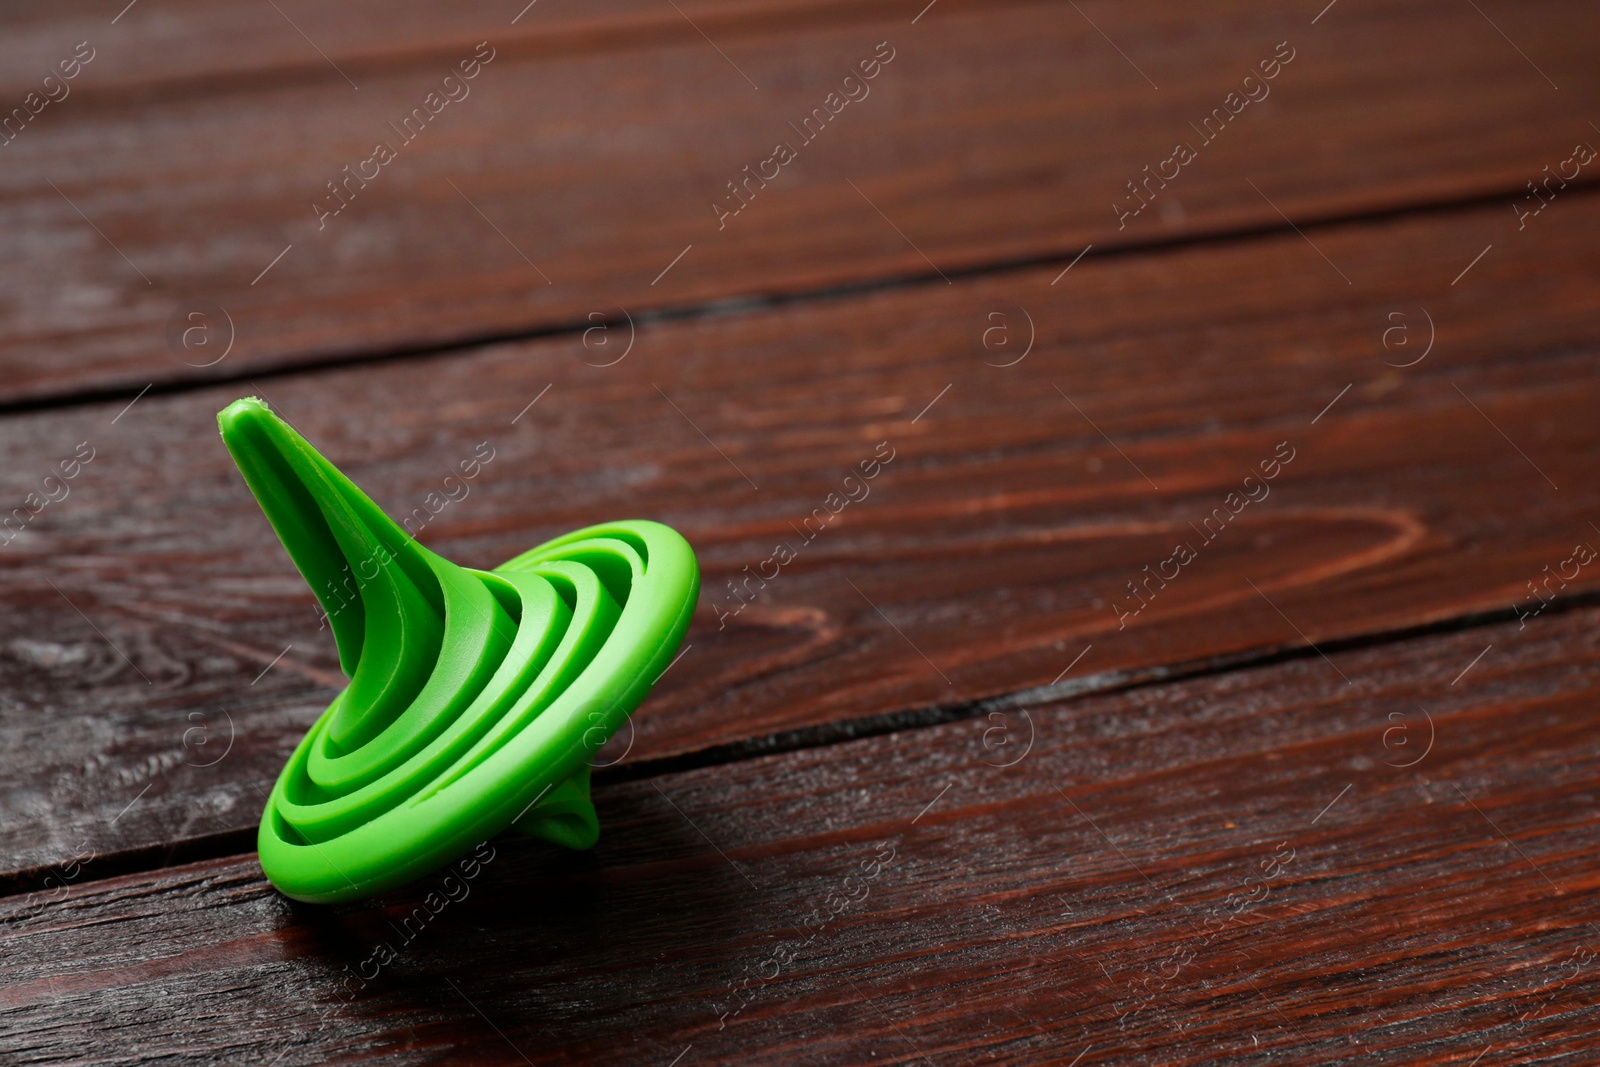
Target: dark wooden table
(1206,673)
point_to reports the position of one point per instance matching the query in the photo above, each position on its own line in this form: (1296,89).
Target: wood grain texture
(1268,866)
(589,153)
(191,47)
(151,613)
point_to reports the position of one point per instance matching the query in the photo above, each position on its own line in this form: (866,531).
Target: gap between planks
(238,842)
(738,306)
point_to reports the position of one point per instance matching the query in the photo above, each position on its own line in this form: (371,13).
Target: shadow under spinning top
(476,699)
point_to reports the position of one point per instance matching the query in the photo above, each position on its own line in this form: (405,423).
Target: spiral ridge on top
(477,699)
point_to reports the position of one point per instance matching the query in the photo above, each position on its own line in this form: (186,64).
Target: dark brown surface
(1028,523)
(1340,675)
(1062,903)
(597,144)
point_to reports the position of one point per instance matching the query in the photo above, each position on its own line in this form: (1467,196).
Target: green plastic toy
(477,699)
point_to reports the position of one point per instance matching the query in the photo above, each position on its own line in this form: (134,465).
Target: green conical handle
(477,698)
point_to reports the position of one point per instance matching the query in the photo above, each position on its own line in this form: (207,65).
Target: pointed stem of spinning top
(378,587)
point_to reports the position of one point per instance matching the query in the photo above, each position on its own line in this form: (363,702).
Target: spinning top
(476,698)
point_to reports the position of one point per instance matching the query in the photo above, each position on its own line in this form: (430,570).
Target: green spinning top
(476,699)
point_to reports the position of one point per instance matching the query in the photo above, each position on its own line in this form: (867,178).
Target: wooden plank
(151,612)
(1265,866)
(587,159)
(189,46)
